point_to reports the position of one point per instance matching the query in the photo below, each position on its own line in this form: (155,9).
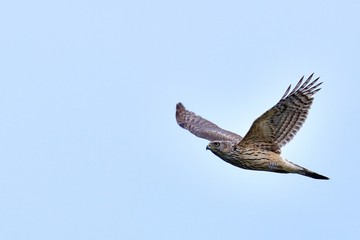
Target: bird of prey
(260,148)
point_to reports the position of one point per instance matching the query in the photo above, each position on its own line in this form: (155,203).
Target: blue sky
(89,144)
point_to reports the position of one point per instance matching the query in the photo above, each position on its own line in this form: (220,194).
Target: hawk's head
(221,148)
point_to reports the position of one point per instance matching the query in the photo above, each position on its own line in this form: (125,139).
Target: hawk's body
(260,148)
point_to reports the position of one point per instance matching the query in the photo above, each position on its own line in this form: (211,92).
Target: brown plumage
(260,148)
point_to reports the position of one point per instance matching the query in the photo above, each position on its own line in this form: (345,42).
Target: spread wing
(278,125)
(201,127)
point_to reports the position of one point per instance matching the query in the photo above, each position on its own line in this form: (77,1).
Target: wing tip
(305,87)
(179,114)
(179,104)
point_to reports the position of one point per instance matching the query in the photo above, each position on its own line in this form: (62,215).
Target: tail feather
(315,175)
(306,172)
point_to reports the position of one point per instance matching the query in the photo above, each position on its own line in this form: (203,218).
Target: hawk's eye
(216,144)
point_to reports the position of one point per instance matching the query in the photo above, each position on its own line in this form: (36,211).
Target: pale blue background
(89,145)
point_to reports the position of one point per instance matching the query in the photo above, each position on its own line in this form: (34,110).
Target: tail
(311,174)
(306,172)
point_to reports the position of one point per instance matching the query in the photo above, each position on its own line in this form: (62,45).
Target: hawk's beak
(207,147)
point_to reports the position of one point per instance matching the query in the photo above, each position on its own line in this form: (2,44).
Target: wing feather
(278,125)
(201,127)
